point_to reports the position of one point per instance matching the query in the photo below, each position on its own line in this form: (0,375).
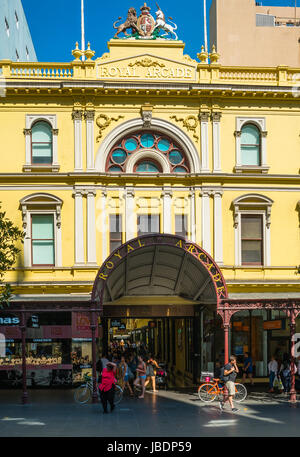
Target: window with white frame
(42,240)
(252,220)
(181,225)
(148,223)
(41,214)
(41,143)
(251,146)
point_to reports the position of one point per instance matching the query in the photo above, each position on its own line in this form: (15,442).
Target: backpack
(222,376)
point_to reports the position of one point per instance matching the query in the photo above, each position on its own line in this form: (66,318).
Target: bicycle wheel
(82,394)
(240,393)
(118,395)
(207,392)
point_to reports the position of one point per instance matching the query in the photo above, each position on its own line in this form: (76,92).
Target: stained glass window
(156,141)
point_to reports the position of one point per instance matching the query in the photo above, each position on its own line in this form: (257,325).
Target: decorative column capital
(129,193)
(206,193)
(167,193)
(55,131)
(89,115)
(27,131)
(216,116)
(264,134)
(218,193)
(237,133)
(91,192)
(204,116)
(77,115)
(78,193)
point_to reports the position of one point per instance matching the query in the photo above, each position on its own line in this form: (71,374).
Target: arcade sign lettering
(155,72)
(138,243)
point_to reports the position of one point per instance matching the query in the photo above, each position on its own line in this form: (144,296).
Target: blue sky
(56,25)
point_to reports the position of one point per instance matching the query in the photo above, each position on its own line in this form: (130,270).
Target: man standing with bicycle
(230,372)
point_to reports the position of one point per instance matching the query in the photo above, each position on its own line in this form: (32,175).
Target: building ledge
(251,169)
(41,168)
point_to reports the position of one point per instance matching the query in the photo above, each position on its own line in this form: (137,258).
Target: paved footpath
(54,413)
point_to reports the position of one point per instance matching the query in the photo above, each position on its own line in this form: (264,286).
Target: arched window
(154,152)
(41,143)
(250,145)
(147,166)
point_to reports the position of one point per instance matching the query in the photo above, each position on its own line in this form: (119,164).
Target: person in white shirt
(273,369)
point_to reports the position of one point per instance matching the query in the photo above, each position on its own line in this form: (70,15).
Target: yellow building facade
(142,140)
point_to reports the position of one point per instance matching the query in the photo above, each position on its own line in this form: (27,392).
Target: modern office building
(248,34)
(160,199)
(15,39)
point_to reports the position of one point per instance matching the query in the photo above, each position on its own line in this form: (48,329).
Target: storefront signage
(274,325)
(196,251)
(115,323)
(9,320)
(33,322)
(42,340)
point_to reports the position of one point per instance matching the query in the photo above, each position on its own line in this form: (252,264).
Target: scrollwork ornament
(190,123)
(103,121)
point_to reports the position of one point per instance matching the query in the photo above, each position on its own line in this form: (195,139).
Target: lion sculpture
(130,23)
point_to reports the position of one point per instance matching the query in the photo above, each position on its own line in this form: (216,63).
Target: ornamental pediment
(146,67)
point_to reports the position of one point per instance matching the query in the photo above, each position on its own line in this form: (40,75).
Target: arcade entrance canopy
(157,275)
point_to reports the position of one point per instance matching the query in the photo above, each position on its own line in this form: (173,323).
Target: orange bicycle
(209,391)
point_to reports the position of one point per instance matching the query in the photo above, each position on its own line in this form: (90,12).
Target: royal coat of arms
(145,26)
(146,22)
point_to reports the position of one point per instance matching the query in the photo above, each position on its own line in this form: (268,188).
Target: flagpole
(205,26)
(82,29)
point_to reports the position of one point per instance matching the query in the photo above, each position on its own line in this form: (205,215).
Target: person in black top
(230,372)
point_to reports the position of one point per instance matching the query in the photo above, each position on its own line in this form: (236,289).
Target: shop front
(58,349)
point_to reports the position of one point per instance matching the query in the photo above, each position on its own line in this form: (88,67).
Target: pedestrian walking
(107,386)
(247,368)
(150,372)
(286,371)
(141,375)
(124,375)
(230,372)
(273,369)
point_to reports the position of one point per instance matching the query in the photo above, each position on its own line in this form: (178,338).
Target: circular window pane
(163,145)
(119,156)
(175,157)
(131,144)
(115,169)
(147,140)
(147,167)
(179,170)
